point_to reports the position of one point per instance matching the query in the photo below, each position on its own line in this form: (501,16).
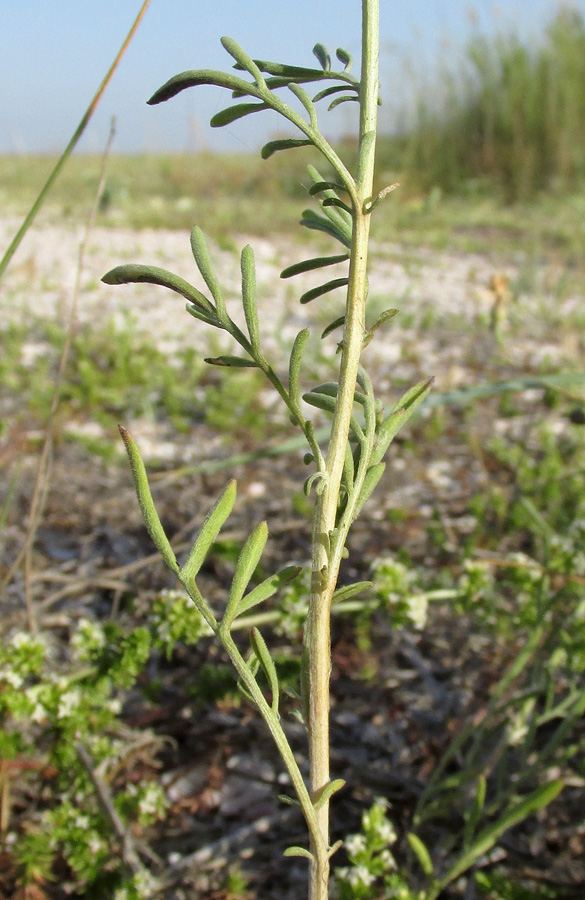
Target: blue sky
(54,53)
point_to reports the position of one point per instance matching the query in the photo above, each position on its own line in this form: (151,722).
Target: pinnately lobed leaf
(149,513)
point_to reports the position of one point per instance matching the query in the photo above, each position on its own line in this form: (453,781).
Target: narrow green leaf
(329,388)
(242,58)
(299,851)
(370,332)
(302,95)
(233,113)
(348,469)
(149,513)
(324,289)
(203,260)
(323,56)
(317,477)
(372,478)
(210,529)
(421,853)
(294,366)
(336,89)
(196,77)
(334,848)
(537,800)
(253,664)
(134,273)
(317,262)
(268,588)
(267,663)
(283,144)
(342,218)
(335,201)
(311,219)
(231,362)
(278,82)
(347,98)
(383,317)
(350,590)
(289,801)
(344,57)
(475,812)
(400,414)
(297,73)
(320,401)
(415,394)
(320,186)
(247,561)
(325,793)
(333,325)
(327,403)
(201,316)
(248,269)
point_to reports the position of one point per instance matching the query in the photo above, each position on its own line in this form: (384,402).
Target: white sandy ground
(449,289)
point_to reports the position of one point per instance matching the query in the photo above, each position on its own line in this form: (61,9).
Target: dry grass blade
(42,482)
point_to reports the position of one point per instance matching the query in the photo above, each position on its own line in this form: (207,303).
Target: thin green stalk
(15,243)
(325,566)
(280,739)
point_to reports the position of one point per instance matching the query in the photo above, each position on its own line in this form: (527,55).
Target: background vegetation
(489,549)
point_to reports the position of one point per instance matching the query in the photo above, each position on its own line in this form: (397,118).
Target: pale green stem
(325,569)
(280,739)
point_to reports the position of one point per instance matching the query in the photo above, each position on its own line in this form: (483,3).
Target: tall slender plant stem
(16,241)
(327,548)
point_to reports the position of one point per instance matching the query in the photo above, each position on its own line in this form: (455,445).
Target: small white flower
(359,876)
(20,639)
(82,822)
(355,843)
(95,844)
(417,610)
(68,702)
(387,860)
(144,883)
(11,677)
(151,801)
(387,833)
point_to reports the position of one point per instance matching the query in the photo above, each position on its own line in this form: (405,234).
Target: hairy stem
(325,564)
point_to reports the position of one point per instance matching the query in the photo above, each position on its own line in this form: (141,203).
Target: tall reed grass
(510,115)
